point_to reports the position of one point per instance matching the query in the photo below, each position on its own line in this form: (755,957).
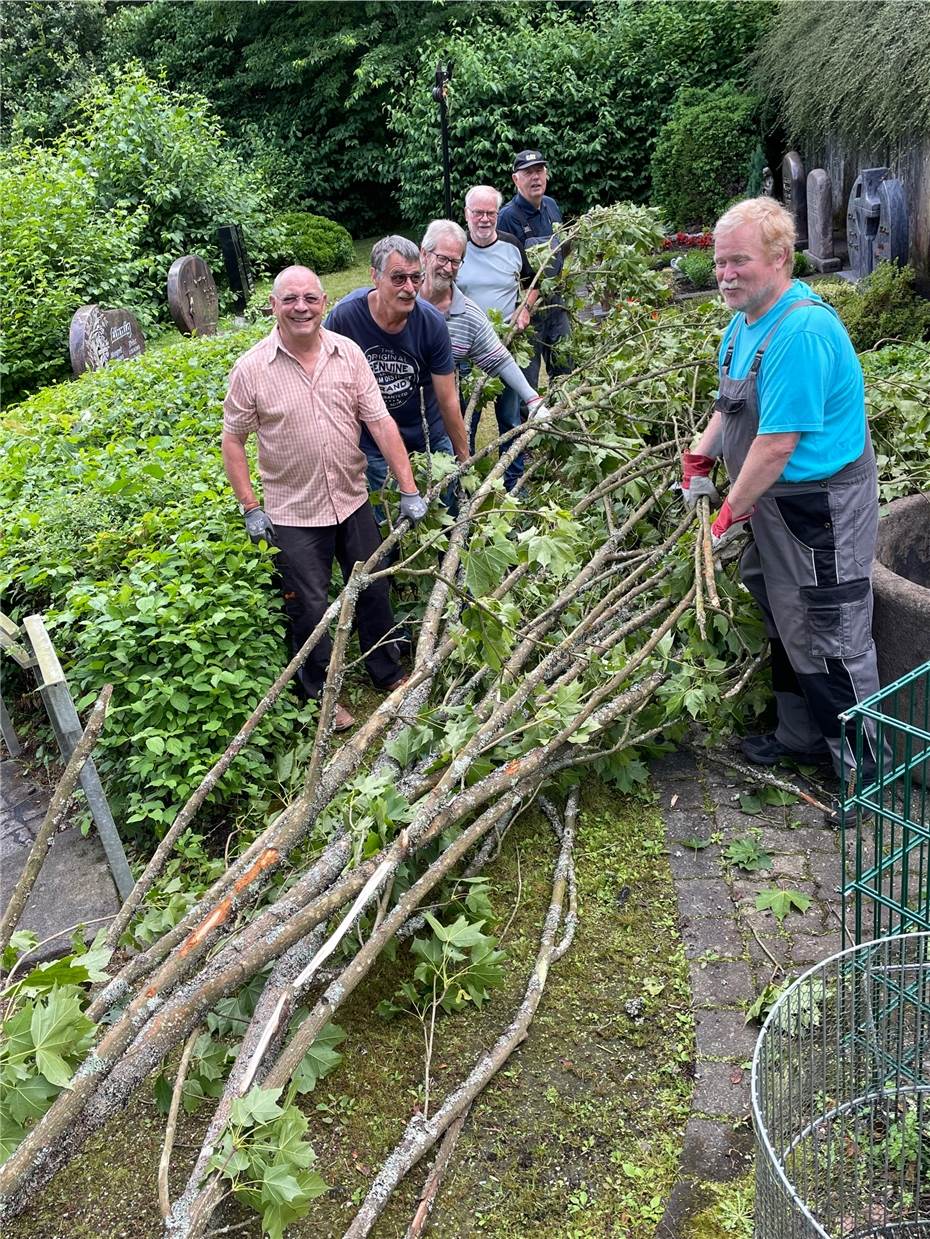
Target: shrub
(58,249)
(103,213)
(313,241)
(127,536)
(698,267)
(885,306)
(703,153)
(801,265)
(143,144)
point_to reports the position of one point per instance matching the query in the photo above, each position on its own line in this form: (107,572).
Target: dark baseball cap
(529,159)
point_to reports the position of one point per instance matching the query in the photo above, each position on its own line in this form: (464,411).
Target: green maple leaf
(780,903)
(11,1136)
(747,854)
(59,1031)
(26,1099)
(486,566)
(320,1059)
(259,1105)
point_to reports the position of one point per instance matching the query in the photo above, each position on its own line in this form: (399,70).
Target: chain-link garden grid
(886,814)
(841,1098)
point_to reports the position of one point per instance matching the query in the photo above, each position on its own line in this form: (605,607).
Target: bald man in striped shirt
(305,393)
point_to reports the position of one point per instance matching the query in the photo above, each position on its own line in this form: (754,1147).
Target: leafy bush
(611,255)
(801,265)
(102,214)
(126,535)
(313,241)
(885,306)
(703,154)
(58,249)
(142,144)
(698,268)
(598,126)
(897,396)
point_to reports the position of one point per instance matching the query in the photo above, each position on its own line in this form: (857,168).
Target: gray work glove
(413,507)
(697,488)
(259,527)
(538,410)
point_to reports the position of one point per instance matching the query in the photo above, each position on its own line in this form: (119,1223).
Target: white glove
(539,412)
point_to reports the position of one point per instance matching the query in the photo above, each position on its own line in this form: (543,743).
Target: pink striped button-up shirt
(308,425)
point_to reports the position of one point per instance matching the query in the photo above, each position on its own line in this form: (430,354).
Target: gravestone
(99,337)
(794,195)
(768,182)
(192,296)
(862,219)
(236,260)
(891,240)
(819,252)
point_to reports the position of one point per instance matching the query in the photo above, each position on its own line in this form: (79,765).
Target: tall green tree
(590,88)
(302,88)
(48,55)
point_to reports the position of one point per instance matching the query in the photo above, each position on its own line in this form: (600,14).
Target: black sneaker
(768,751)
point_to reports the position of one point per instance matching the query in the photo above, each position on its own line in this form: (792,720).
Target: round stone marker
(192,296)
(98,337)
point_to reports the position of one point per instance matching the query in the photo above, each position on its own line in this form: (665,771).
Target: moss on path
(579,1135)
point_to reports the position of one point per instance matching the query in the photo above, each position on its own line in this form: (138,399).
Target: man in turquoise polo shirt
(790,425)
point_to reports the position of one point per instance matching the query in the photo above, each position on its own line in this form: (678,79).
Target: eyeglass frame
(399,278)
(483,214)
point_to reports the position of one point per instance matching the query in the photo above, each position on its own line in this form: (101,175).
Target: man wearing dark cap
(534,217)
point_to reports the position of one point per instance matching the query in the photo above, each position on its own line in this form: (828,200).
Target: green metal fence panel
(885,813)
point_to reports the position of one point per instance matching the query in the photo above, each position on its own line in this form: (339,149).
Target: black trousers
(548,329)
(305,564)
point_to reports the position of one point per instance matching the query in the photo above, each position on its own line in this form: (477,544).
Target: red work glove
(695,479)
(727,527)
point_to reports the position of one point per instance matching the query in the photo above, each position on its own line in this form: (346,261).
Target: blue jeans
(507,411)
(377,470)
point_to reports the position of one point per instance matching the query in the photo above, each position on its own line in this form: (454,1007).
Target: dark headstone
(236,260)
(99,337)
(862,218)
(192,296)
(819,252)
(891,240)
(794,195)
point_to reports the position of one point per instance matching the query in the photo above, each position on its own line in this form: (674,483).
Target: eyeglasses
(482,214)
(311,299)
(446,261)
(400,278)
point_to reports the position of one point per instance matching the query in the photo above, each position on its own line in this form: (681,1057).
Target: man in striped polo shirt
(473,338)
(306,393)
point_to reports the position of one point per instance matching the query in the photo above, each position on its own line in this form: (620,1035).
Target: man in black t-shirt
(406,344)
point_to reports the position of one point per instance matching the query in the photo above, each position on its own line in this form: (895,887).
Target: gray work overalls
(808,567)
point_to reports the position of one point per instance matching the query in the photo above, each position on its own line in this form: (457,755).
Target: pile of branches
(562,627)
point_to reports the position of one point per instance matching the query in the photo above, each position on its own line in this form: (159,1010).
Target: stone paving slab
(74,885)
(735,949)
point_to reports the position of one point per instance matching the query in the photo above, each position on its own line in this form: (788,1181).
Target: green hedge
(126,535)
(704,153)
(312,241)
